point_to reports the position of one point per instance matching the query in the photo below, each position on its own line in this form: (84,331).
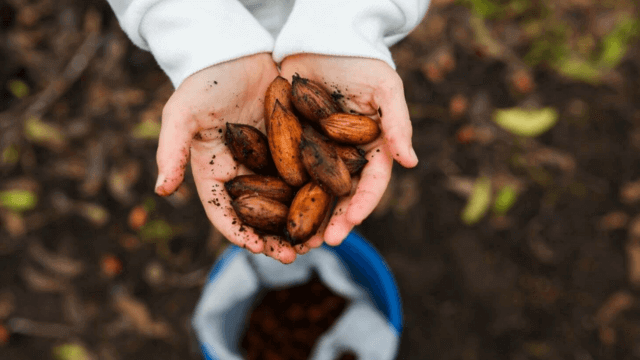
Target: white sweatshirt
(186,36)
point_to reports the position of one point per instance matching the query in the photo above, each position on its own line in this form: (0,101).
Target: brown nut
(325,167)
(248,146)
(311,100)
(279,90)
(261,212)
(350,128)
(267,186)
(352,156)
(308,208)
(284,135)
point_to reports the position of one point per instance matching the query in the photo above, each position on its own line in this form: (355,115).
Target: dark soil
(102,263)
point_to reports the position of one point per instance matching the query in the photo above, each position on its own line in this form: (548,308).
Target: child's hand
(369,87)
(194,119)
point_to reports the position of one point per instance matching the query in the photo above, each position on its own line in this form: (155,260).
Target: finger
(177,131)
(314,242)
(212,165)
(396,124)
(339,226)
(279,249)
(374,179)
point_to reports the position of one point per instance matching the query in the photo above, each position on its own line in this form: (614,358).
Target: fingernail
(160,181)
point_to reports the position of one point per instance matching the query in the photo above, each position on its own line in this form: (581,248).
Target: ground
(506,243)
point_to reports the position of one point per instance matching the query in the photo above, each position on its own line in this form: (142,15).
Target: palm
(194,118)
(368,87)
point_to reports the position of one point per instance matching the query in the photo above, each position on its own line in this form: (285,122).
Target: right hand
(193,121)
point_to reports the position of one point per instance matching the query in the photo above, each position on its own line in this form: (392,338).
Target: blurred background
(516,237)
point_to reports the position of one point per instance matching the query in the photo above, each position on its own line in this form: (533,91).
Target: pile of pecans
(287,322)
(306,159)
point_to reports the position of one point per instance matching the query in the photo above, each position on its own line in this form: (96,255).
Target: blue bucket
(365,265)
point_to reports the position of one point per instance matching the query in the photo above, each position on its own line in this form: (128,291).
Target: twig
(10,120)
(39,329)
(71,73)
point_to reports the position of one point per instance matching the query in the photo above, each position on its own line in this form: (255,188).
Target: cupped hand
(193,124)
(368,87)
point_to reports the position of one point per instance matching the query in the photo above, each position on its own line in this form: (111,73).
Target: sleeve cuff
(188,36)
(348,28)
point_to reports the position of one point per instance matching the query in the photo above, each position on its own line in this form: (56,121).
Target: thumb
(396,124)
(177,130)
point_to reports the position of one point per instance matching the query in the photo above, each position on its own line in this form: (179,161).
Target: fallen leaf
(14,223)
(526,122)
(43,133)
(138,217)
(630,192)
(146,129)
(615,304)
(40,282)
(154,273)
(10,155)
(613,220)
(156,230)
(18,88)
(122,178)
(39,329)
(460,185)
(138,314)
(95,213)
(70,352)
(58,264)
(458,106)
(576,68)
(616,43)
(18,200)
(111,266)
(505,199)
(479,202)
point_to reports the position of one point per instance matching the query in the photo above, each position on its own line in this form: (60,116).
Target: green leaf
(95,213)
(146,129)
(18,200)
(484,38)
(505,199)
(11,154)
(149,204)
(40,132)
(18,88)
(70,352)
(156,230)
(526,122)
(549,43)
(579,69)
(615,44)
(483,8)
(478,202)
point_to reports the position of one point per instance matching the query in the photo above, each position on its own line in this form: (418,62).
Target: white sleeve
(363,28)
(186,36)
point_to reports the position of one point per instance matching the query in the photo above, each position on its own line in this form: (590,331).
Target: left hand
(369,87)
